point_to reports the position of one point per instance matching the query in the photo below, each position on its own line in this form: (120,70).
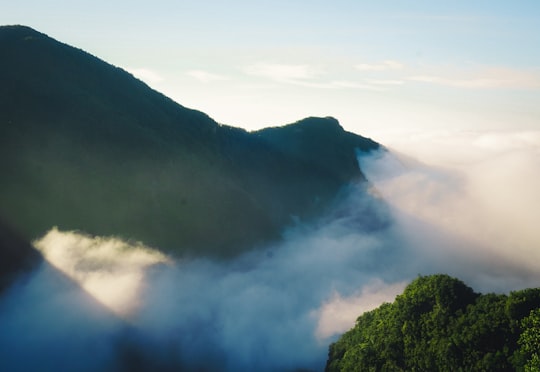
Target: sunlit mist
(109,269)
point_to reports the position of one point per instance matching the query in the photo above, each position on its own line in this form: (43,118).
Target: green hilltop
(440,324)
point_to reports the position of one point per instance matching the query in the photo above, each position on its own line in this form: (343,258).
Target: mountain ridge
(86,146)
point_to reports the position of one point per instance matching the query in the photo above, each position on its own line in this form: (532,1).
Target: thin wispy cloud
(309,76)
(489,78)
(339,84)
(381,66)
(284,72)
(205,76)
(385,81)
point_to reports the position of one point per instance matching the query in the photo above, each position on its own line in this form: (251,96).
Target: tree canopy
(440,324)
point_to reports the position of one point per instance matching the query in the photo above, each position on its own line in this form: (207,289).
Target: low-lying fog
(465,204)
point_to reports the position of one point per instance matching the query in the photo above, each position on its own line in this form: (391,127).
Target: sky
(381,68)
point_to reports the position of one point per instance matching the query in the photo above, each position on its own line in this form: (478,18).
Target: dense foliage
(440,324)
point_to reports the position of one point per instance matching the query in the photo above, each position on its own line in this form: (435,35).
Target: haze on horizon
(380,68)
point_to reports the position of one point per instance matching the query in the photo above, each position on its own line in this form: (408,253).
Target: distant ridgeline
(85,145)
(440,324)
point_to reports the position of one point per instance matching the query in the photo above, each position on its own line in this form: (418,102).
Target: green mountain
(85,145)
(440,324)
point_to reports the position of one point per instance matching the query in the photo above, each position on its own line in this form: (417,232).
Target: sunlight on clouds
(338,314)
(307,76)
(284,72)
(338,85)
(108,268)
(486,194)
(350,85)
(383,66)
(205,76)
(385,82)
(488,78)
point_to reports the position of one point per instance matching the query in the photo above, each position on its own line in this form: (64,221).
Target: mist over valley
(137,234)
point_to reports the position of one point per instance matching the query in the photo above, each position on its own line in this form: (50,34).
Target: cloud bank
(469,213)
(479,188)
(110,269)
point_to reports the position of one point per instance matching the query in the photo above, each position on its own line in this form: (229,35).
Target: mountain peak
(327,122)
(86,146)
(18,32)
(313,124)
(19,29)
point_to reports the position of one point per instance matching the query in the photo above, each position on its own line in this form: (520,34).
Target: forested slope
(84,145)
(440,324)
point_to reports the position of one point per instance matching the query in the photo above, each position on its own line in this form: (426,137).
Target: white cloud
(339,84)
(308,76)
(146,75)
(110,269)
(205,76)
(352,85)
(382,66)
(284,72)
(480,192)
(488,78)
(338,314)
(385,82)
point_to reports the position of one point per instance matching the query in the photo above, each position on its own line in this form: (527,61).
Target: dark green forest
(440,324)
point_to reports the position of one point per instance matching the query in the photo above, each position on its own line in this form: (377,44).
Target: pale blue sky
(374,65)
